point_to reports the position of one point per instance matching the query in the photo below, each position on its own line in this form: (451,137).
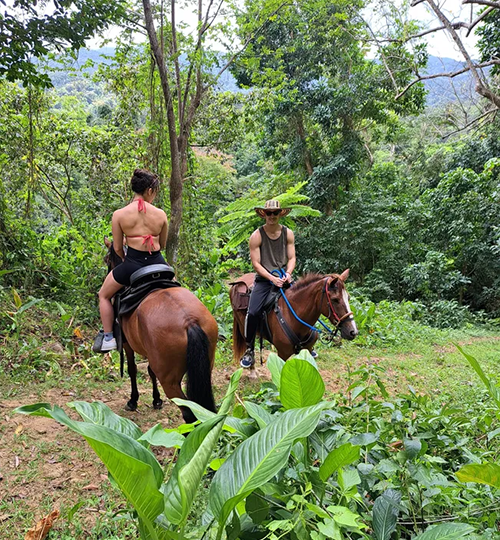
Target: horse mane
(306,280)
(111,256)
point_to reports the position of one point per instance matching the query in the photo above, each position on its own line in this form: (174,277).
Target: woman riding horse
(145,228)
(170,327)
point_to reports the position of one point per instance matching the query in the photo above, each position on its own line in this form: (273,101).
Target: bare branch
(450,75)
(478,19)
(472,122)
(384,60)
(483,3)
(482,87)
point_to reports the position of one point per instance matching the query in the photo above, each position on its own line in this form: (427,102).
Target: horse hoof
(158,404)
(131,406)
(252,374)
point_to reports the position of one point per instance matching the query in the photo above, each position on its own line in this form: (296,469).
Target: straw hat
(272,205)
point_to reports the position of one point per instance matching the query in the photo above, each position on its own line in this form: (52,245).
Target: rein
(331,333)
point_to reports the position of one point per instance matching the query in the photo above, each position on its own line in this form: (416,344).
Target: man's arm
(163,233)
(117,236)
(290,253)
(255,243)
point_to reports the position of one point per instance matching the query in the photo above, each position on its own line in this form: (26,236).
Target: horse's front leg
(132,373)
(157,401)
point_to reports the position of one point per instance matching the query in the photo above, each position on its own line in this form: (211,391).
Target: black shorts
(134,260)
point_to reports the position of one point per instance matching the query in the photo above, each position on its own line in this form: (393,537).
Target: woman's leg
(109,288)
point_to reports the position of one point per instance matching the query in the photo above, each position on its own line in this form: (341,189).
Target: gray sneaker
(248,359)
(109,345)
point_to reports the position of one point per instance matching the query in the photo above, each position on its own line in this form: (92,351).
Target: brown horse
(177,334)
(311,296)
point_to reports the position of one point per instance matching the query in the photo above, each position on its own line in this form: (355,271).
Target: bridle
(331,310)
(329,336)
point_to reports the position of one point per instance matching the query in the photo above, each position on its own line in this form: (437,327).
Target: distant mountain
(440,90)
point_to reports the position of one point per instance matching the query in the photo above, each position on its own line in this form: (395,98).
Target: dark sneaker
(248,359)
(101,345)
(314,354)
(98,342)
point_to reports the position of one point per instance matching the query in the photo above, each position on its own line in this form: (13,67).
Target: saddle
(142,282)
(241,301)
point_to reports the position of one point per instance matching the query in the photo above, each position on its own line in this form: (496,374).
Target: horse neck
(306,302)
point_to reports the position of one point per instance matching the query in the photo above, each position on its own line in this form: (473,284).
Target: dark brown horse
(311,296)
(177,334)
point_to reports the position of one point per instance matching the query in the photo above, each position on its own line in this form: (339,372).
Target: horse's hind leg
(132,373)
(157,401)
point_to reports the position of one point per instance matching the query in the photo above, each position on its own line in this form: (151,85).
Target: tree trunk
(302,134)
(175,157)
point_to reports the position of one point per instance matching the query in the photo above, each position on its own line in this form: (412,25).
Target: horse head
(336,307)
(111,258)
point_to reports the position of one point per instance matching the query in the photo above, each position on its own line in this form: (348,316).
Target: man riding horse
(272,252)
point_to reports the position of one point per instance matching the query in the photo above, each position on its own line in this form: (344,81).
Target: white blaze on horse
(310,297)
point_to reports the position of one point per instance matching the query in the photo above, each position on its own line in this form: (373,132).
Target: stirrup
(248,359)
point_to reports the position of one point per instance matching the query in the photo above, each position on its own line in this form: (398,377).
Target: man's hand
(288,277)
(279,282)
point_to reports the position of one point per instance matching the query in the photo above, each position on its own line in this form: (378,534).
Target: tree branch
(176,61)
(450,75)
(384,60)
(482,87)
(478,19)
(472,122)
(483,3)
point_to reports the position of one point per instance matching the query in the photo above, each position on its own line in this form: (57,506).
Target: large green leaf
(194,456)
(259,458)
(98,413)
(231,424)
(275,365)
(487,473)
(133,467)
(385,514)
(157,436)
(301,384)
(493,390)
(259,414)
(445,531)
(339,457)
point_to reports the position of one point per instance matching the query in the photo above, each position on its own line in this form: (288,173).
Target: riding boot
(248,359)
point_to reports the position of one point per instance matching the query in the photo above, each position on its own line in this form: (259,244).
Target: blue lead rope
(281,273)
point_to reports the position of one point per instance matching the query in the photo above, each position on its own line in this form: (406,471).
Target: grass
(431,366)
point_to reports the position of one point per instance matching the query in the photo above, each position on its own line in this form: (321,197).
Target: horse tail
(199,384)
(239,343)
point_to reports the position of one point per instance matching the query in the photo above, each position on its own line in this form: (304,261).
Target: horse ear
(344,275)
(107,242)
(333,283)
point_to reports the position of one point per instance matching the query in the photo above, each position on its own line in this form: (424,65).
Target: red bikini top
(148,238)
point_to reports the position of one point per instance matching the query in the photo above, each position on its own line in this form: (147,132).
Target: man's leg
(255,305)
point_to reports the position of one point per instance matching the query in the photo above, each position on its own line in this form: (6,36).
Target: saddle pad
(131,297)
(241,296)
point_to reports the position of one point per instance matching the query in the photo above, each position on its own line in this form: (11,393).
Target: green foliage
(241,219)
(29,34)
(365,465)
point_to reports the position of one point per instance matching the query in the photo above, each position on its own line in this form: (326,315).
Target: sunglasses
(275,213)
